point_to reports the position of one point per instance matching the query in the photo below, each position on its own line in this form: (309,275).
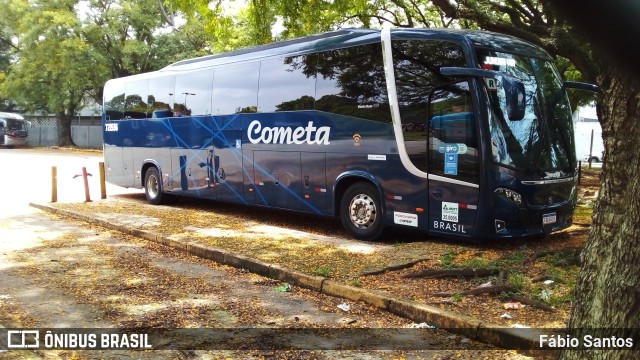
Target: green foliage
(231,26)
(517,280)
(512,259)
(62,59)
(324,271)
(447,259)
(477,263)
(562,258)
(49,41)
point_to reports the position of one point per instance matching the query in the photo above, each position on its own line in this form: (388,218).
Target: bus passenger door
(228,180)
(453,161)
(314,182)
(277,178)
(191,172)
(190,161)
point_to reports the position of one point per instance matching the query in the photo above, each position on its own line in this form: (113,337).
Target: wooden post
(54,184)
(591,149)
(103,187)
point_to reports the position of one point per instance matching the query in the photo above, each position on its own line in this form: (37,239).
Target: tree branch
(440,273)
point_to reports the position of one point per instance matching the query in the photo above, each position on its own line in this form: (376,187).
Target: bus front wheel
(153,186)
(361,211)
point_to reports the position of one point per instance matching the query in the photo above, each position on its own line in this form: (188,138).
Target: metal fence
(86,131)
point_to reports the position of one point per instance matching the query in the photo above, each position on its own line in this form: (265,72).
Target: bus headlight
(509,194)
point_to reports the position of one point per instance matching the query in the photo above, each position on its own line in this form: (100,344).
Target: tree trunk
(607,294)
(64,129)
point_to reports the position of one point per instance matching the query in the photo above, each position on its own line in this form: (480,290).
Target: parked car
(594,157)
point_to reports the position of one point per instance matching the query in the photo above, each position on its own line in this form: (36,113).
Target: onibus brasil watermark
(76,339)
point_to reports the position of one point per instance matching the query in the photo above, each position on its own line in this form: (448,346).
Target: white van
(14,130)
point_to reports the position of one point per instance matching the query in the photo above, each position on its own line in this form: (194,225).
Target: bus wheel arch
(360,208)
(152,184)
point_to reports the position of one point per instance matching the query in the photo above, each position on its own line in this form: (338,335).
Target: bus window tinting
(193,93)
(287,84)
(135,103)
(235,89)
(161,93)
(416,65)
(453,142)
(351,81)
(114,101)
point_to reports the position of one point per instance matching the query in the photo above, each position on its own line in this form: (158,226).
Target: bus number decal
(450,211)
(287,135)
(111,127)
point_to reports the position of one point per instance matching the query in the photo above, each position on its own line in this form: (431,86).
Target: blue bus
(459,133)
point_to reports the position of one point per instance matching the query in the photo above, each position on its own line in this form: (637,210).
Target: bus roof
(6,115)
(350,37)
(323,41)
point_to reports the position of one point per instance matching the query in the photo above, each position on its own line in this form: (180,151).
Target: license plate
(548,218)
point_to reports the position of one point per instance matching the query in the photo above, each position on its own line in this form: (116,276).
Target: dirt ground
(538,274)
(61,273)
(543,270)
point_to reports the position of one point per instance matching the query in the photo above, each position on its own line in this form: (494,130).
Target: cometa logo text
(287,135)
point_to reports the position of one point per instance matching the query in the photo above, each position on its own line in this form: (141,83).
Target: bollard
(87,196)
(54,184)
(103,187)
(579,171)
(84,175)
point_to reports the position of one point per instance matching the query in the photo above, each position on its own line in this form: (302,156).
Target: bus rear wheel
(361,211)
(153,186)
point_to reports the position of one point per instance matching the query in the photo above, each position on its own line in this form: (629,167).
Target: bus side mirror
(581,86)
(514,97)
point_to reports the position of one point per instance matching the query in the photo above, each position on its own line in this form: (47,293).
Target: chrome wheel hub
(152,187)
(362,211)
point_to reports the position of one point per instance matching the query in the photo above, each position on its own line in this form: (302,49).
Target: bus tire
(153,186)
(361,211)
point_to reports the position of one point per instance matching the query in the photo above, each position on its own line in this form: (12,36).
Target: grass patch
(517,280)
(447,259)
(515,258)
(562,258)
(324,271)
(583,214)
(477,263)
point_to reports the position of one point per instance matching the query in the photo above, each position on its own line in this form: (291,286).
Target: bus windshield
(541,143)
(16,125)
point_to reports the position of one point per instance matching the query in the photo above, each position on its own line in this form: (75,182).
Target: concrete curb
(509,338)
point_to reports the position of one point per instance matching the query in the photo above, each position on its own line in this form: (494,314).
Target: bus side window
(235,89)
(287,84)
(416,64)
(135,103)
(161,94)
(114,100)
(351,82)
(193,93)
(453,139)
